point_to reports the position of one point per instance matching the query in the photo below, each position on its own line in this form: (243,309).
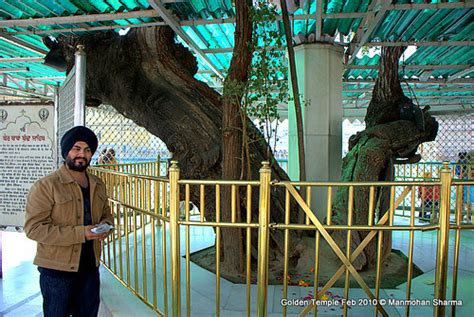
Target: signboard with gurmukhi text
(27,153)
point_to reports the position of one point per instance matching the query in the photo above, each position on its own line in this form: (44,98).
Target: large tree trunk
(232,138)
(395,129)
(149,78)
(296,100)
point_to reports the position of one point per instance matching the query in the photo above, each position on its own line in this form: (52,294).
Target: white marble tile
(20,287)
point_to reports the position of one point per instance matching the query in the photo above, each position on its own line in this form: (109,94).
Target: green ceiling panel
(415,20)
(88,6)
(345,25)
(398,25)
(196,38)
(65,5)
(333,6)
(207,35)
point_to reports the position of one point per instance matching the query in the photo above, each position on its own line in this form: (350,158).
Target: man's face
(79,157)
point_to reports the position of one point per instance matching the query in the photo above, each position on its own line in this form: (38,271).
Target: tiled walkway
(20,291)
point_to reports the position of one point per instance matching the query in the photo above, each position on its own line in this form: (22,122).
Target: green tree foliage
(268,85)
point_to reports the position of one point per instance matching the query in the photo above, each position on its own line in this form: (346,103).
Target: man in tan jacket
(61,211)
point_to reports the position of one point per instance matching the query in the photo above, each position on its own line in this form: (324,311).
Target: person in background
(464,171)
(429,196)
(109,157)
(100,159)
(461,165)
(61,212)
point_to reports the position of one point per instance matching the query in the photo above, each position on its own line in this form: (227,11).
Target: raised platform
(20,295)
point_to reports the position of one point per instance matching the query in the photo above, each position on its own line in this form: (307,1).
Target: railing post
(443,239)
(263,238)
(158,166)
(174,239)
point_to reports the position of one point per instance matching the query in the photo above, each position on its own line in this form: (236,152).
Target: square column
(319,70)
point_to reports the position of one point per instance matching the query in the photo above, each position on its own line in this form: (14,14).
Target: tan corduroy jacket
(55,218)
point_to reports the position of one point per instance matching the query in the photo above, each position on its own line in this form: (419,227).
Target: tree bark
(147,77)
(296,100)
(389,136)
(232,130)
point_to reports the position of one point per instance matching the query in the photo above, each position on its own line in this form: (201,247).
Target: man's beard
(72,164)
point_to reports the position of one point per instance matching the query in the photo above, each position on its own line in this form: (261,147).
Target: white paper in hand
(102,228)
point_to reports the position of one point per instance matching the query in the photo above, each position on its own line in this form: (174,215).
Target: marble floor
(20,294)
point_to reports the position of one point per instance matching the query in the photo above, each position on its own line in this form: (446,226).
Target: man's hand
(94,236)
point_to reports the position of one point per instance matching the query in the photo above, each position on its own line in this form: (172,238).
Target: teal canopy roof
(441,66)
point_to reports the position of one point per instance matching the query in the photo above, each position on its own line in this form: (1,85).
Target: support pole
(80,88)
(174,240)
(443,240)
(263,238)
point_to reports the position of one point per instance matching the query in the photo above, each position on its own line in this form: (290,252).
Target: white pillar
(80,87)
(320,69)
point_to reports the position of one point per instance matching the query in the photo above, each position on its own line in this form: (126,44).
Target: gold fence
(428,172)
(145,252)
(148,168)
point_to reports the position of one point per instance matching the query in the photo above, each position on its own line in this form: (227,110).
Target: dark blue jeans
(70,293)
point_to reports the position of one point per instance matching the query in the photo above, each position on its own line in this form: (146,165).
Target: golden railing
(147,214)
(139,205)
(431,172)
(156,167)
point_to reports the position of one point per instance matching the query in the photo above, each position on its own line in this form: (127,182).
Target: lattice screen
(65,110)
(134,144)
(455,135)
(131,142)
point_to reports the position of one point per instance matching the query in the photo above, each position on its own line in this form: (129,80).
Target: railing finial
(446,166)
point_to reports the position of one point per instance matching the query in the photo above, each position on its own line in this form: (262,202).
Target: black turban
(75,134)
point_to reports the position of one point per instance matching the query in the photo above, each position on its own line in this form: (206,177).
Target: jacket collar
(65,177)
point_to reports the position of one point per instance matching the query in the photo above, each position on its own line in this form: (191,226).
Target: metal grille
(453,142)
(66,106)
(455,135)
(166,283)
(130,142)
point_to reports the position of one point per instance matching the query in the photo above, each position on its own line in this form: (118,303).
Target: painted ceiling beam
(319,20)
(117,16)
(12,40)
(49,78)
(4,70)
(29,82)
(22,83)
(23,86)
(26,93)
(432,6)
(461,73)
(79,18)
(21,59)
(434,81)
(410,67)
(376,67)
(368,25)
(152,13)
(421,103)
(421,43)
(86,29)
(368,90)
(174,24)
(430,43)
